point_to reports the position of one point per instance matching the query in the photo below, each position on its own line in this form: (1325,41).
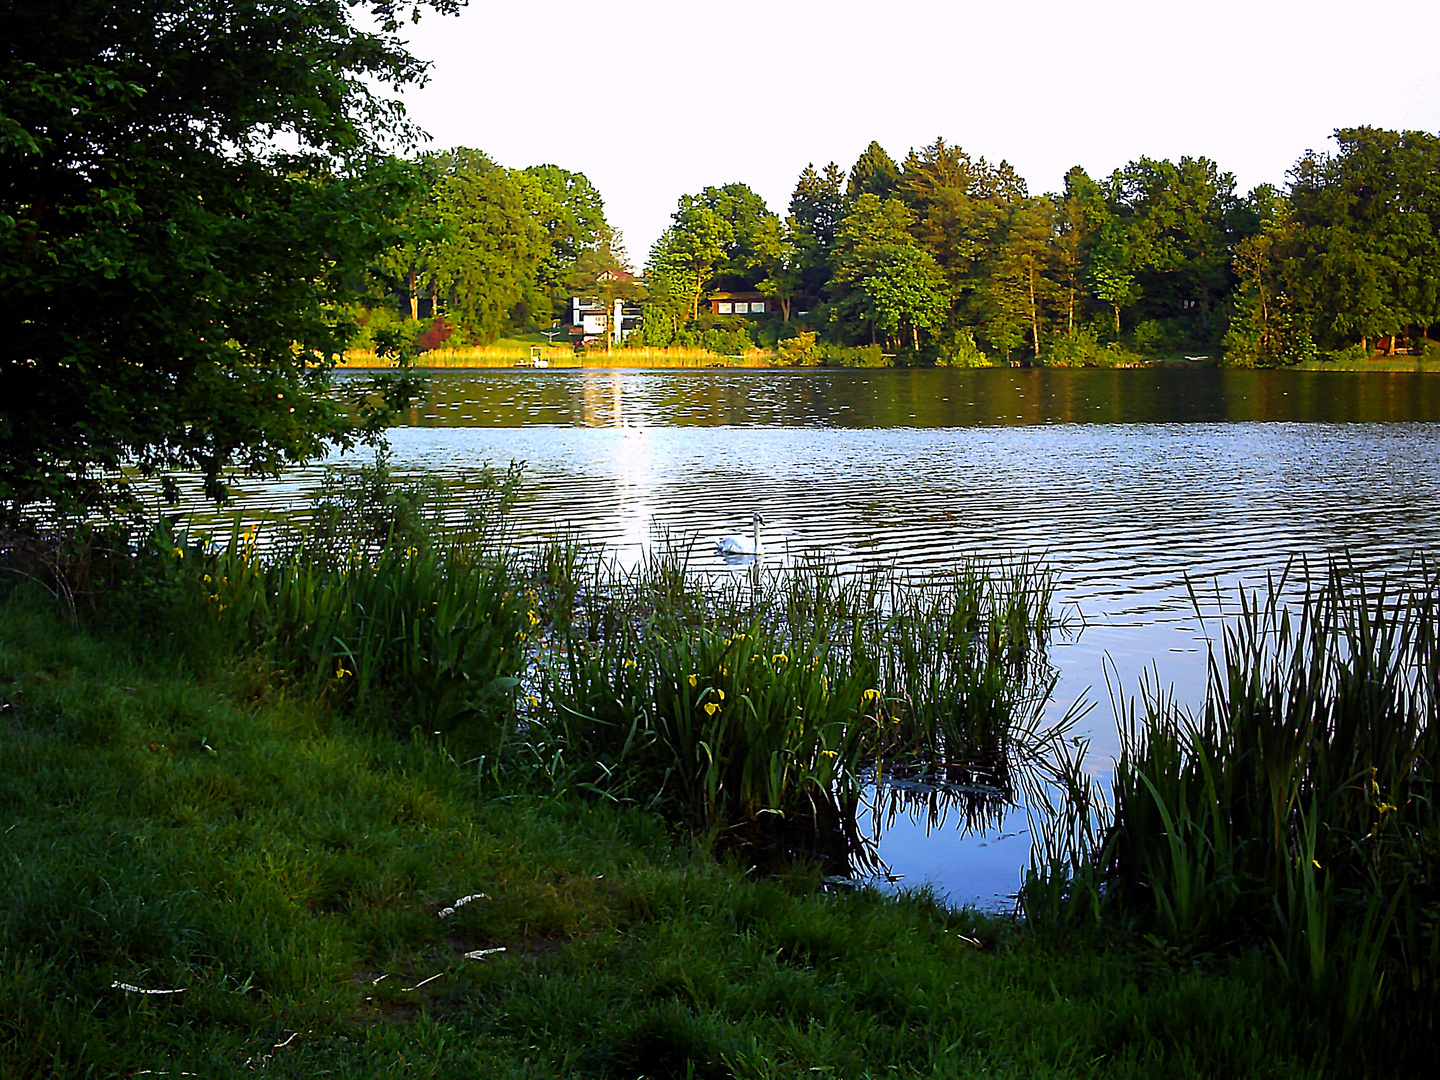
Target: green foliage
(884,282)
(492,242)
(1084,349)
(173,285)
(905,292)
(1359,255)
(856,356)
(874,173)
(816,206)
(802,350)
(960,350)
(572,214)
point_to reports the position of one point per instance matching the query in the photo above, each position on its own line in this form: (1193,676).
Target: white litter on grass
(446,912)
(141,990)
(480,954)
(422,982)
(288,1041)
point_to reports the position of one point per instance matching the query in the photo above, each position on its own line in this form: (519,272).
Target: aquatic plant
(1296,811)
(759,706)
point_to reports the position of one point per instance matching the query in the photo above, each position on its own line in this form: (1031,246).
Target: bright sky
(655,99)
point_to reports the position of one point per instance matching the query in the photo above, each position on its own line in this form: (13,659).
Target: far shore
(509,356)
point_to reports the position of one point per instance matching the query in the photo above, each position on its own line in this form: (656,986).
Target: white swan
(739,545)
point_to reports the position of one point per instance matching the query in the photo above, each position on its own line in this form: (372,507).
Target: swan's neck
(757,538)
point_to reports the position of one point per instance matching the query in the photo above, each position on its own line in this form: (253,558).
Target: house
(742,303)
(590,319)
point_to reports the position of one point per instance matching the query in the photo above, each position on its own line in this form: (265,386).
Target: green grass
(208,829)
(1374,363)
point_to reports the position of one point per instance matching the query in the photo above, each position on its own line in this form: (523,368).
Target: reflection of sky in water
(1122,512)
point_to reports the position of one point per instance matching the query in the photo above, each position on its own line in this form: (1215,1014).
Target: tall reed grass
(505,356)
(1296,812)
(758,707)
(753,708)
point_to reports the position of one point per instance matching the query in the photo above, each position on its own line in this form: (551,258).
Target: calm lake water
(1127,482)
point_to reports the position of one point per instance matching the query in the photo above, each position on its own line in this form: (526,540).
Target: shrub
(799,351)
(436,334)
(961,351)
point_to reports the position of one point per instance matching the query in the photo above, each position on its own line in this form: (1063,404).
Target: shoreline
(511,357)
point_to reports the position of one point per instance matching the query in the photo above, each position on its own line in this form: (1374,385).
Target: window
(723,307)
(758,307)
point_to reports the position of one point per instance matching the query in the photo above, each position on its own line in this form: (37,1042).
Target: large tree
(687,252)
(816,206)
(572,214)
(874,173)
(190,192)
(1364,242)
(1175,218)
(1018,284)
(494,241)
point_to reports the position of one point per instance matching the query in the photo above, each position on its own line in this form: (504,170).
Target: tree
(1107,271)
(874,173)
(1175,221)
(693,245)
(494,243)
(816,207)
(191,193)
(1266,329)
(906,293)
(778,252)
(572,213)
(1017,283)
(748,218)
(1080,213)
(960,205)
(1365,251)
(874,247)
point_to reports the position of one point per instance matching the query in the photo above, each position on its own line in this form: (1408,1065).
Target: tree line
(948,258)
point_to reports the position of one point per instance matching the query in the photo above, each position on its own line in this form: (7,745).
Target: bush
(802,350)
(853,356)
(1083,349)
(436,334)
(961,351)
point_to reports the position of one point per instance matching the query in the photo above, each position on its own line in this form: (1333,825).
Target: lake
(1127,482)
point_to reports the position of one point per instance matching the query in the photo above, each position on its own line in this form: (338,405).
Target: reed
(752,707)
(1296,811)
(758,707)
(507,355)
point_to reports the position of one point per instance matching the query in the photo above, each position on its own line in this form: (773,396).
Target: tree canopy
(190,193)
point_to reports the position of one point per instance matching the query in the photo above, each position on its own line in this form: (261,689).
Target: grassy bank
(1374,363)
(297,877)
(390,797)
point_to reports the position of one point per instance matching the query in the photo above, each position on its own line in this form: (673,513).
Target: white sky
(652,100)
